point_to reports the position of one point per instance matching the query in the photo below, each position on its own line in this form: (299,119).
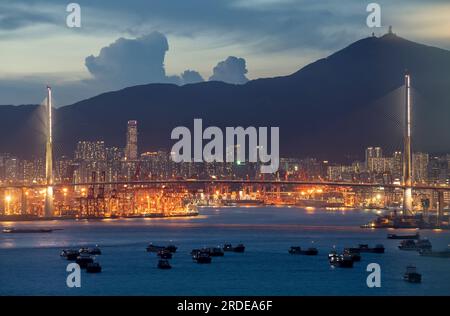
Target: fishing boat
(93,267)
(164,265)
(238,248)
(341,261)
(411,275)
(83,260)
(165,254)
(365,248)
(11,230)
(437,254)
(91,251)
(355,255)
(294,250)
(154,248)
(70,254)
(404,237)
(201,256)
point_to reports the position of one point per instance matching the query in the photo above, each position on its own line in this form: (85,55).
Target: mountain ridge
(328,108)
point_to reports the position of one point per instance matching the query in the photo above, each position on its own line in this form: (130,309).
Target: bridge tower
(407,167)
(49,158)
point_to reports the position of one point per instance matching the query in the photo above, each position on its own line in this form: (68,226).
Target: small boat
(239,248)
(201,256)
(70,254)
(341,261)
(411,275)
(165,254)
(298,251)
(154,248)
(421,244)
(438,254)
(404,237)
(215,252)
(164,264)
(407,245)
(365,248)
(332,253)
(355,255)
(172,248)
(83,260)
(227,247)
(93,267)
(91,251)
(10,230)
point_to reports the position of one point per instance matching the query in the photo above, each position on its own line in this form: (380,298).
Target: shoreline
(20,218)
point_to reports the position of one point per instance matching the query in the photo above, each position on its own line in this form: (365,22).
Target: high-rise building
(131,149)
(374,159)
(397,165)
(90,151)
(420,167)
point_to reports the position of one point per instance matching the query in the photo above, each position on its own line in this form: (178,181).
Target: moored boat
(294,250)
(164,254)
(341,261)
(365,248)
(90,251)
(70,254)
(154,248)
(172,248)
(201,256)
(214,251)
(164,264)
(411,245)
(83,260)
(411,275)
(404,237)
(93,267)
(11,230)
(437,254)
(355,255)
(238,248)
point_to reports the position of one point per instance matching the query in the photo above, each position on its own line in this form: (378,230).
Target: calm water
(30,263)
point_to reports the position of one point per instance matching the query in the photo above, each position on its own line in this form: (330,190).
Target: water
(30,263)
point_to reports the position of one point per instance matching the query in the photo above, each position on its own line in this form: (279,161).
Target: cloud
(191,76)
(231,70)
(15,16)
(131,61)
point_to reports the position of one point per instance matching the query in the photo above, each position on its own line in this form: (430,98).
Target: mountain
(332,108)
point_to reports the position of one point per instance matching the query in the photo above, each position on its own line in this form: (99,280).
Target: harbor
(264,268)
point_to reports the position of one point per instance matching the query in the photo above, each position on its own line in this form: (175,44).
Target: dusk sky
(180,41)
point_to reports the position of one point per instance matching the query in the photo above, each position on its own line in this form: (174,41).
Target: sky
(124,43)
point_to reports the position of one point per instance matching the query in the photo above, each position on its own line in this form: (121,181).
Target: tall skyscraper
(374,159)
(420,167)
(131,149)
(397,168)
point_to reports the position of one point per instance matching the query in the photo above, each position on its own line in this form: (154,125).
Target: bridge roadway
(224,181)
